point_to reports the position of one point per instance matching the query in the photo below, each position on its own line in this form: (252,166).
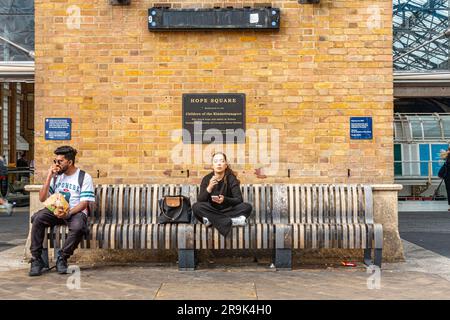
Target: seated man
(78,189)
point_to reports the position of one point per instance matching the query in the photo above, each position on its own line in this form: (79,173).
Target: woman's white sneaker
(206,222)
(239,221)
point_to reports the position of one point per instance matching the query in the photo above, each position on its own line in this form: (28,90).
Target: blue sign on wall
(361,128)
(58,128)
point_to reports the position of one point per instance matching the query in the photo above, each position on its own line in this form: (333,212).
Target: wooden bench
(284,217)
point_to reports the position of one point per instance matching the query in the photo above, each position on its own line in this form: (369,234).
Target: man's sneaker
(37,265)
(207,222)
(239,221)
(61,265)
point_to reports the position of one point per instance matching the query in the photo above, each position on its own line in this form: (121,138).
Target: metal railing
(418,170)
(415,128)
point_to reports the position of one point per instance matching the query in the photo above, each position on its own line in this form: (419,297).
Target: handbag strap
(436,191)
(178,214)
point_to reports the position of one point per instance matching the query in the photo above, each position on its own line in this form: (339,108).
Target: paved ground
(14,228)
(430,230)
(423,269)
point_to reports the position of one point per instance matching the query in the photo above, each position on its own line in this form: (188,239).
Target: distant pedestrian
(3,177)
(444,173)
(22,161)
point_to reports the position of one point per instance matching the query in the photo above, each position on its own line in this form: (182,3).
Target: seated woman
(220,202)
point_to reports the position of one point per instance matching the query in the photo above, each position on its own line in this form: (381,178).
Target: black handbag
(175,209)
(443,171)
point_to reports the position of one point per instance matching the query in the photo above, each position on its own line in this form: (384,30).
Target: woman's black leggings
(221,219)
(447,186)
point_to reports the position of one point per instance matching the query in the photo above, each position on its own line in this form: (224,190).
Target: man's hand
(54,169)
(60,213)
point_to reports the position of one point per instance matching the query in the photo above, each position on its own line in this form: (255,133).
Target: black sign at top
(214,118)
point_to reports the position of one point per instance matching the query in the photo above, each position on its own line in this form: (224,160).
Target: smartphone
(215,198)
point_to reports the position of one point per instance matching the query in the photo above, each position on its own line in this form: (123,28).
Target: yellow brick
(122,86)
(133,73)
(73,99)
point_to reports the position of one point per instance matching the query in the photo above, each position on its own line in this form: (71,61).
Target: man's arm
(78,208)
(43,193)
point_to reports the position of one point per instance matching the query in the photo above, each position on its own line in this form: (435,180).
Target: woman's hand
(219,199)
(211,184)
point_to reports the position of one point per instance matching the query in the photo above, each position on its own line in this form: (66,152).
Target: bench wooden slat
(247,237)
(308,204)
(251,200)
(357,236)
(132,210)
(302,236)
(280,209)
(257,205)
(368,205)
(126,205)
(351,236)
(343,203)
(345,236)
(349,204)
(199,228)
(337,204)
(240,244)
(137,216)
(326,232)
(263,208)
(148,236)
(355,204)
(291,208)
(314,203)
(314,243)
(295,236)
(361,204)
(332,204)
(326,204)
(147,204)
(320,204)
(154,204)
(297,216)
(303,204)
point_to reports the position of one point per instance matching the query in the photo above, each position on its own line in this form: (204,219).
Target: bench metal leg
(283,259)
(378,257)
(186,259)
(378,254)
(368,256)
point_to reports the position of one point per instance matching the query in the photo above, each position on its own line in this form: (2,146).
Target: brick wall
(122,86)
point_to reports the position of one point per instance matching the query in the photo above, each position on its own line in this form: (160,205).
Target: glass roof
(416,22)
(16,25)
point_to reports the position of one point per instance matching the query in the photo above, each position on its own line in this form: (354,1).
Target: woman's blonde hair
(445,154)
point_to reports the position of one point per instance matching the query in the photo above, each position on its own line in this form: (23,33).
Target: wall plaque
(214,118)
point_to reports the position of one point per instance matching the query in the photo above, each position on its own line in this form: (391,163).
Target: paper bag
(57,200)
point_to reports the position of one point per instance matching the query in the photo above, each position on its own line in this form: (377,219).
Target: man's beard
(63,170)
